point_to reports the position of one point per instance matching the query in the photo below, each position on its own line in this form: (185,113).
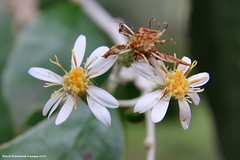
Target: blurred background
(33,31)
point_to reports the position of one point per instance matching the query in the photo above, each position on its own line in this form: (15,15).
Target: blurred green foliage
(81,137)
(215,35)
(45,4)
(5,47)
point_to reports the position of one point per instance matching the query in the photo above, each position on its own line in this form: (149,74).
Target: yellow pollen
(176,84)
(76,81)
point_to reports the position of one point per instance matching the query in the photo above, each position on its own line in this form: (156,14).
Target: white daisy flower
(77,83)
(175,84)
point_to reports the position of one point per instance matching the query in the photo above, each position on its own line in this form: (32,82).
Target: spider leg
(113,50)
(169,58)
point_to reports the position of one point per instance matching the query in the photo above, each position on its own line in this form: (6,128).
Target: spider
(143,45)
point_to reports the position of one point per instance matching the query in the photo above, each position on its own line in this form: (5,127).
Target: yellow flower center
(176,84)
(76,81)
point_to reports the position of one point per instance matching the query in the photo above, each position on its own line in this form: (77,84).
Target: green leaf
(46,4)
(53,32)
(5,46)
(81,137)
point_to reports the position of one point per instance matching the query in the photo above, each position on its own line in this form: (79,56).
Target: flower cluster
(147,62)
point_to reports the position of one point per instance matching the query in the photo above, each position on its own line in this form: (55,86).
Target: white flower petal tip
(55,107)
(102,66)
(96,56)
(102,97)
(199,79)
(184,68)
(49,104)
(148,101)
(185,125)
(195,98)
(45,75)
(79,50)
(65,111)
(186,59)
(160,109)
(185,113)
(99,111)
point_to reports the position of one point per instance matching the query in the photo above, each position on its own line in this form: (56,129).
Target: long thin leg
(169,58)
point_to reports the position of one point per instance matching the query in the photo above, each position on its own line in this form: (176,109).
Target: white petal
(125,74)
(198,79)
(102,97)
(49,104)
(96,56)
(184,68)
(160,109)
(184,113)
(65,111)
(45,75)
(145,71)
(55,107)
(144,84)
(161,63)
(102,66)
(161,73)
(195,98)
(79,50)
(100,112)
(148,101)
